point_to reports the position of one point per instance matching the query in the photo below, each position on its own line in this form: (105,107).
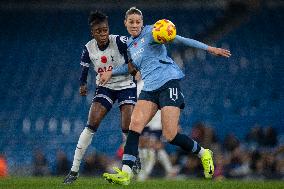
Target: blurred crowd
(260,155)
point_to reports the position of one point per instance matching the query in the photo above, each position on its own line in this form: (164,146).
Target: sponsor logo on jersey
(137,54)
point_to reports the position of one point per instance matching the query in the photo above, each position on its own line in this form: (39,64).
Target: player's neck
(103,47)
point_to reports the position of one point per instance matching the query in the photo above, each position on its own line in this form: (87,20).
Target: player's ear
(92,33)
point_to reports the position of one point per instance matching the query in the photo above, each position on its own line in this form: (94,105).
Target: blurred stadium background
(234,106)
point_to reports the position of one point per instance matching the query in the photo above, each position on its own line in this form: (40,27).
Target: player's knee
(136,124)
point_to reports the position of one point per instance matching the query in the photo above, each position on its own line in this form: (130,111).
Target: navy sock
(125,131)
(186,143)
(131,149)
(92,127)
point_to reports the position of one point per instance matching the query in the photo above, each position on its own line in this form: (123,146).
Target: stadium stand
(39,71)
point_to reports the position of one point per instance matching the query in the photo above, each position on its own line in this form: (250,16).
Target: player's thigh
(96,114)
(126,112)
(170,119)
(143,112)
(102,103)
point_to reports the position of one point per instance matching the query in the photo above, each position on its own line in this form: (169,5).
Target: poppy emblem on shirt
(135,44)
(104,59)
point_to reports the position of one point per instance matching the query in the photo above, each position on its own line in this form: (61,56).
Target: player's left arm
(197,44)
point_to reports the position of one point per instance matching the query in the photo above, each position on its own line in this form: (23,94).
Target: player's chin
(134,33)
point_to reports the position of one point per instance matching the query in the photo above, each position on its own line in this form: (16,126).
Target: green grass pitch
(98,183)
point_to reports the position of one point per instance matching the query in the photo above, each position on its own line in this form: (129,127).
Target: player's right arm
(85,63)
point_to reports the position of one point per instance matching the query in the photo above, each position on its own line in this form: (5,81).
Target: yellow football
(164,31)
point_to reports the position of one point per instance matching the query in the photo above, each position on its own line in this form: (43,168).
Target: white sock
(127,169)
(84,141)
(150,161)
(201,152)
(165,160)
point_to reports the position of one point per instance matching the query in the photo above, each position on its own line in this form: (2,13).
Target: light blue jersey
(151,59)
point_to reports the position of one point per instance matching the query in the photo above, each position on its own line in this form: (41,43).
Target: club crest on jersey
(103,59)
(123,39)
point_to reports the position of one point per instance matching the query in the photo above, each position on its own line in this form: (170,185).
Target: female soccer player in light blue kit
(161,76)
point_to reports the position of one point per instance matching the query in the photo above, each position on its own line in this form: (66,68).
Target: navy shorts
(107,97)
(169,94)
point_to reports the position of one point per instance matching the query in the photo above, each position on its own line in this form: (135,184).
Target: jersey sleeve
(84,75)
(85,58)
(122,46)
(190,42)
(85,63)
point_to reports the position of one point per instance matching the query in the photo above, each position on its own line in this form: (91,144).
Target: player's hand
(219,51)
(105,77)
(83,90)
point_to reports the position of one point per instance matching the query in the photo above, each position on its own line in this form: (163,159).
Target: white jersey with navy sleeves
(105,60)
(151,59)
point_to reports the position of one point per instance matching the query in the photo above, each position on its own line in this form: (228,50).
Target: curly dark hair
(97,17)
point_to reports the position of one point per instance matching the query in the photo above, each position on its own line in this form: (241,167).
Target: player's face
(100,32)
(133,24)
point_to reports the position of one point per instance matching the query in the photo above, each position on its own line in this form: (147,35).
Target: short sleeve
(85,58)
(122,46)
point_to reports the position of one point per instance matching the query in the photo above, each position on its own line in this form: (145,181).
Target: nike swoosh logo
(210,172)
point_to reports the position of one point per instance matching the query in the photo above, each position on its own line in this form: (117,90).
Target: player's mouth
(134,30)
(104,40)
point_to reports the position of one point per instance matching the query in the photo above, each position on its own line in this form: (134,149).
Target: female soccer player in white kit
(104,52)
